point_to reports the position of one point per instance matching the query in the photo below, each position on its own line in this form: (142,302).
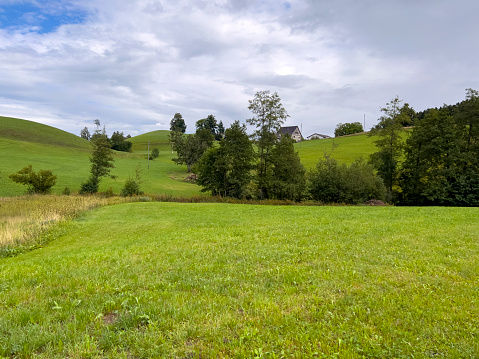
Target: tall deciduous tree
(177,123)
(190,148)
(288,174)
(85,134)
(389,143)
(226,170)
(268,116)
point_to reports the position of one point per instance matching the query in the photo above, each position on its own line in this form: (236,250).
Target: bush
(90,186)
(131,188)
(39,182)
(155,153)
(331,182)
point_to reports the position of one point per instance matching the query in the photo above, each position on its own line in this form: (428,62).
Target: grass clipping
(23,220)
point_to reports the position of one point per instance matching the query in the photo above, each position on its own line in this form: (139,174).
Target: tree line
(438,163)
(264,165)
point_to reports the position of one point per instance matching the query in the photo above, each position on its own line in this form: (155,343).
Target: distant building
(293,131)
(317,136)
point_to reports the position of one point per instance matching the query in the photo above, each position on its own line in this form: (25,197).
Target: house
(317,136)
(292,131)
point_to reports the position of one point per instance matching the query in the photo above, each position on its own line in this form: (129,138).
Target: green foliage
(189,149)
(38,182)
(288,179)
(441,165)
(177,123)
(85,134)
(331,182)
(343,129)
(155,153)
(389,144)
(226,171)
(119,142)
(268,116)
(101,162)
(131,188)
(132,185)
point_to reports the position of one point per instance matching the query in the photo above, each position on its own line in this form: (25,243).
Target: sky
(133,64)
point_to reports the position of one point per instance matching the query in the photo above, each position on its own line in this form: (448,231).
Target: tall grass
(23,220)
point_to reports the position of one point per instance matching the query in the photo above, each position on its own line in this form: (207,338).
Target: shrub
(38,182)
(131,188)
(155,153)
(66,191)
(331,182)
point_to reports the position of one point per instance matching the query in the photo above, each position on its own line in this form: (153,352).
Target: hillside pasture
(25,142)
(243,281)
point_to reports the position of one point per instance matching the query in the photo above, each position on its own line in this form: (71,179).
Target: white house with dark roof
(292,131)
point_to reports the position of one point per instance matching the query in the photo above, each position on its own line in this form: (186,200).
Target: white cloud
(133,64)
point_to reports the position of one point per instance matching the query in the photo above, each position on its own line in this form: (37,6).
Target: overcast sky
(133,64)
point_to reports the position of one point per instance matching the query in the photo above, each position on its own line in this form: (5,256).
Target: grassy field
(345,149)
(174,280)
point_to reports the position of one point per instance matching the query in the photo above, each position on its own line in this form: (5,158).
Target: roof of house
(289,130)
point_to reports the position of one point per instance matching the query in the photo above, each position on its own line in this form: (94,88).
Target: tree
(39,182)
(119,143)
(221,131)
(389,142)
(343,129)
(288,174)
(441,165)
(268,116)
(208,123)
(85,134)
(177,123)
(190,148)
(226,170)
(101,161)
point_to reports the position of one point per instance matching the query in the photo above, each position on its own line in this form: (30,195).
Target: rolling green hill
(29,131)
(158,139)
(24,142)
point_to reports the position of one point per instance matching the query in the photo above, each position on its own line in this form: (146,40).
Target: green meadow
(96,277)
(172,280)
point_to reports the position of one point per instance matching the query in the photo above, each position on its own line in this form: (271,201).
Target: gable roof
(289,130)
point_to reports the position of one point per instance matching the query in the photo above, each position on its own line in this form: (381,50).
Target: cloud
(133,64)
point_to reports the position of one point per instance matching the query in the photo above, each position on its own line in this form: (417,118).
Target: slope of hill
(158,139)
(29,131)
(345,149)
(25,142)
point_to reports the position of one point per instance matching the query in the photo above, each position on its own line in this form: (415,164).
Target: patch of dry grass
(23,219)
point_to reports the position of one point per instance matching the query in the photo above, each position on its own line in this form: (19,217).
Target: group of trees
(118,141)
(438,164)
(343,129)
(274,171)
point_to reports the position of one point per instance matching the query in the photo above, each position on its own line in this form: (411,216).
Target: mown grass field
(174,280)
